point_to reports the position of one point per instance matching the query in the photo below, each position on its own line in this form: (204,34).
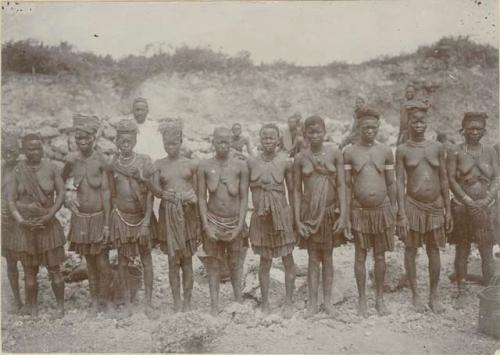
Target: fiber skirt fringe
(85,234)
(324,239)
(266,241)
(8,227)
(192,231)
(481,227)
(374,227)
(125,234)
(426,223)
(41,247)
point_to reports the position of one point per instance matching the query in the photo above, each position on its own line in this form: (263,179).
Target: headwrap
(127,126)
(31,137)
(416,105)
(367,112)
(89,124)
(140,99)
(170,128)
(474,116)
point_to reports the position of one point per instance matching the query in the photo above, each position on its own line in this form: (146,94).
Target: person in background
(292,139)
(149,139)
(410,97)
(354,135)
(238,142)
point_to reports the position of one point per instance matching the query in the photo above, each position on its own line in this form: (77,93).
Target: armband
(389,167)
(347,167)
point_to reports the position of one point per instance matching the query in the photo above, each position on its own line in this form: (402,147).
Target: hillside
(206,88)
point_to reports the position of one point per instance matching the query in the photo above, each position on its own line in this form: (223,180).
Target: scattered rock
(186,332)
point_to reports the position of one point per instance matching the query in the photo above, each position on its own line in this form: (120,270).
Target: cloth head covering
(140,99)
(89,124)
(474,116)
(126,126)
(416,105)
(31,137)
(367,112)
(170,127)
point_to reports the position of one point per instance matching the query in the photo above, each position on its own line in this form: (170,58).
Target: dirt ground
(244,329)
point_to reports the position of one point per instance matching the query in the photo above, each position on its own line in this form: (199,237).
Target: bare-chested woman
(371,198)
(223,217)
(89,231)
(133,224)
(473,173)
(174,182)
(10,153)
(319,190)
(271,226)
(35,194)
(423,201)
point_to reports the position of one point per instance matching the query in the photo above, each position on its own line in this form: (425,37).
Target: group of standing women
(318,200)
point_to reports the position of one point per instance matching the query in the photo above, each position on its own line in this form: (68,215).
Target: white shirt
(149,140)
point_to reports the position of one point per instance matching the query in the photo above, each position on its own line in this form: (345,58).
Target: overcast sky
(311,33)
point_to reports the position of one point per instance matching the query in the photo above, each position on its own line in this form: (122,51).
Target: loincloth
(179,225)
(324,238)
(223,227)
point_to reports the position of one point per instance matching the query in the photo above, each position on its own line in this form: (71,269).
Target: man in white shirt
(149,140)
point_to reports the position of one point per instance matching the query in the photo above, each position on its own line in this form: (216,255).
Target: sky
(304,33)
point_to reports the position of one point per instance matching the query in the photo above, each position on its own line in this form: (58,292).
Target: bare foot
(214,310)
(265,308)
(177,306)
(461,301)
(186,306)
(381,308)
(288,311)
(329,309)
(362,308)
(436,306)
(419,305)
(18,305)
(311,310)
(150,312)
(25,310)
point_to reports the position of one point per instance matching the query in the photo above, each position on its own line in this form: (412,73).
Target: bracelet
(105,227)
(146,225)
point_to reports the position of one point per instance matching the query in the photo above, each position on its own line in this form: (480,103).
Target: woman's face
(418,122)
(315,133)
(474,131)
(269,140)
(172,145)
(125,142)
(33,151)
(369,129)
(84,140)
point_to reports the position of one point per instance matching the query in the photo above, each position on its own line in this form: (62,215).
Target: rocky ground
(242,328)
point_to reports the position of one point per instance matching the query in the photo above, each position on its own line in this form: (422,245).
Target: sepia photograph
(251,177)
